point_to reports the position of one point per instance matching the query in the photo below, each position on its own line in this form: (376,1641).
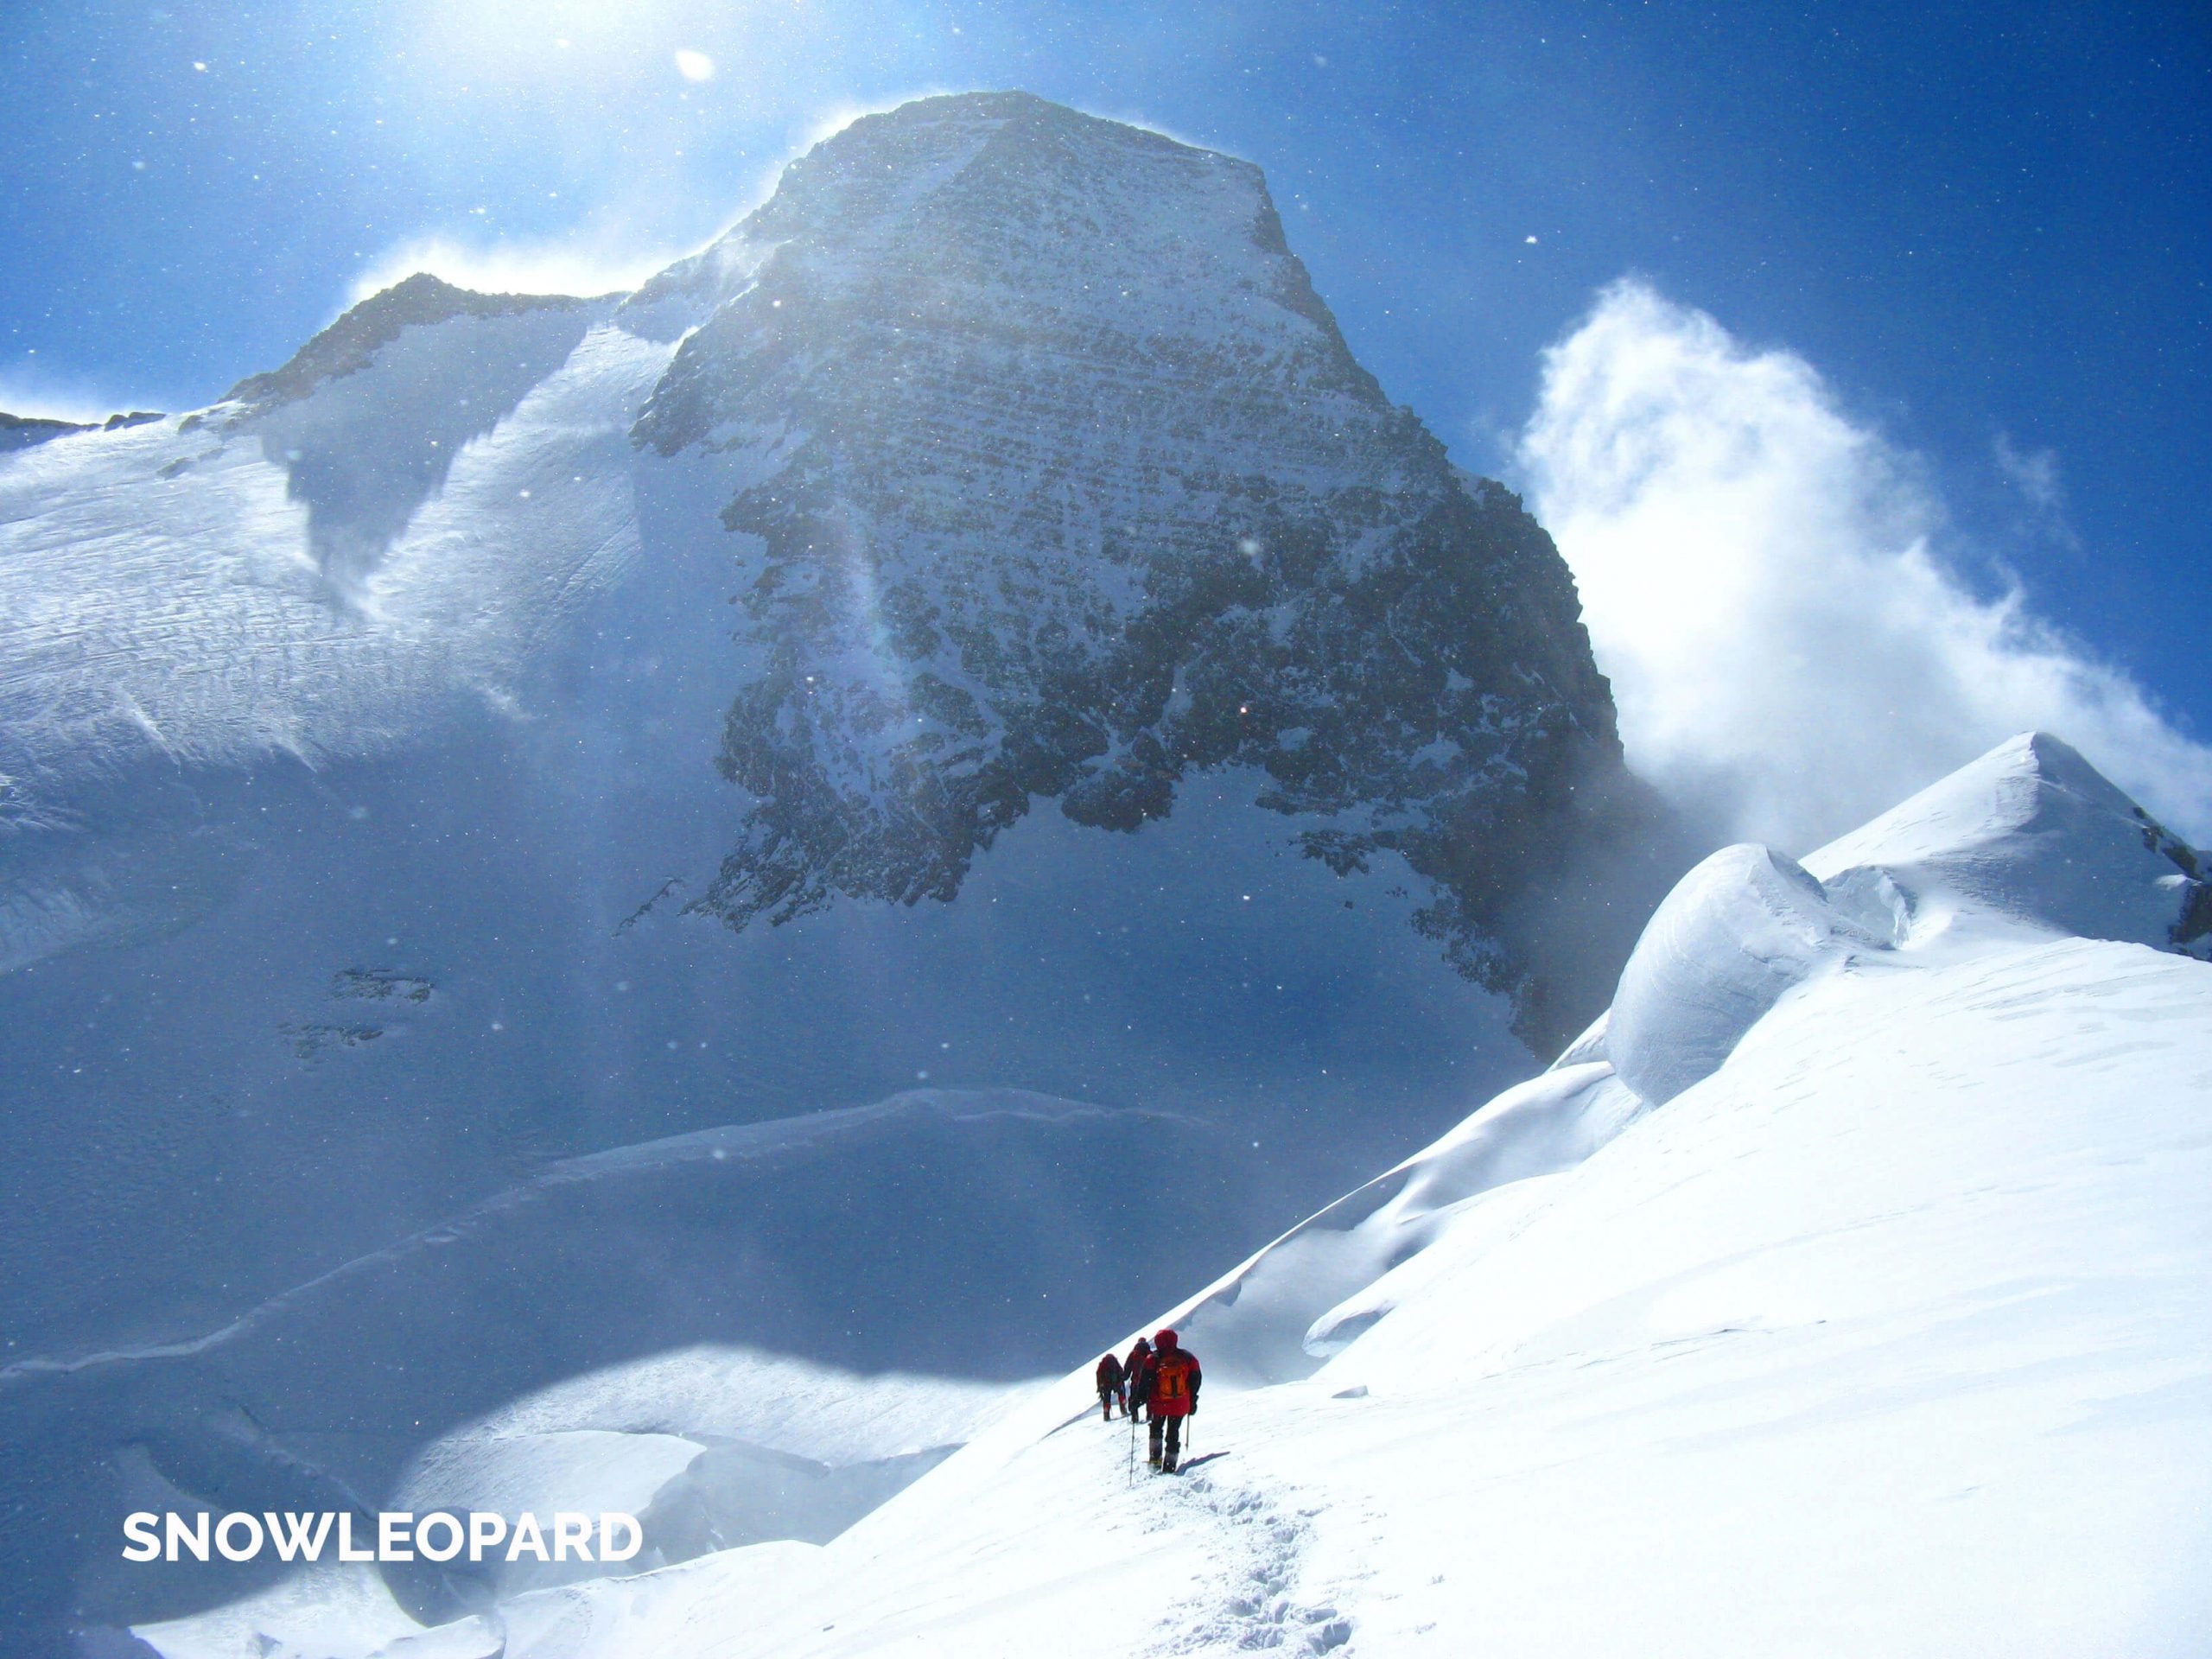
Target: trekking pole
(1133,1446)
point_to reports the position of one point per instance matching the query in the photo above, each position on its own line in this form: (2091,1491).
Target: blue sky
(1989,230)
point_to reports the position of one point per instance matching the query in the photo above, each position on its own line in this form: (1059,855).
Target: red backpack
(1171,1384)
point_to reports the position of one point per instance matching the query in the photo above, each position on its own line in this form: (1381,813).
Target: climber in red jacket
(1168,1386)
(1131,1367)
(1109,1377)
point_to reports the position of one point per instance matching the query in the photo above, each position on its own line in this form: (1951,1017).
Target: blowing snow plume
(1786,650)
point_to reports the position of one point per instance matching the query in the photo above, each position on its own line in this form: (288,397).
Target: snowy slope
(1858,1346)
(368,800)
(392,754)
(754,1332)
(975,626)
(1888,1333)
(315,569)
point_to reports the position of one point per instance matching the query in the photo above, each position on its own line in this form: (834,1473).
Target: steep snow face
(1064,485)
(1738,930)
(2033,833)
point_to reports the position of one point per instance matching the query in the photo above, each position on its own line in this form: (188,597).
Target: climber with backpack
(1168,1386)
(1109,1377)
(1138,1354)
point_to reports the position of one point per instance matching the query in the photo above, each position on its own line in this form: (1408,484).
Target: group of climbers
(1160,1379)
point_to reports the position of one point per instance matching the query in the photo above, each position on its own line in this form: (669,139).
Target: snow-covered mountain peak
(939,211)
(2032,833)
(868,201)
(1054,480)
(1039,473)
(2028,842)
(352,342)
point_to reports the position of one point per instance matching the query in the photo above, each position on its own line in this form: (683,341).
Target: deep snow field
(1847,1290)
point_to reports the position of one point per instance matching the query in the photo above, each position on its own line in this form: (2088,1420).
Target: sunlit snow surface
(1889,1333)
(376,1072)
(242,603)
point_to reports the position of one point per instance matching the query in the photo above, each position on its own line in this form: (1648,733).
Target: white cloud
(1757,575)
(2033,473)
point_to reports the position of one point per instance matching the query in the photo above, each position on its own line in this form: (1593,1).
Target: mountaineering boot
(1168,1463)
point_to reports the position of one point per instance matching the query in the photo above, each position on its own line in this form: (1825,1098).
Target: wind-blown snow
(1762,572)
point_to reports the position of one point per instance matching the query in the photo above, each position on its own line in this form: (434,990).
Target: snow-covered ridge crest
(357,553)
(2030,840)
(28,431)
(2027,844)
(392,521)
(2032,832)
(1737,931)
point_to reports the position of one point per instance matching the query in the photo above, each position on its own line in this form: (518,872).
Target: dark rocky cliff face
(1065,487)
